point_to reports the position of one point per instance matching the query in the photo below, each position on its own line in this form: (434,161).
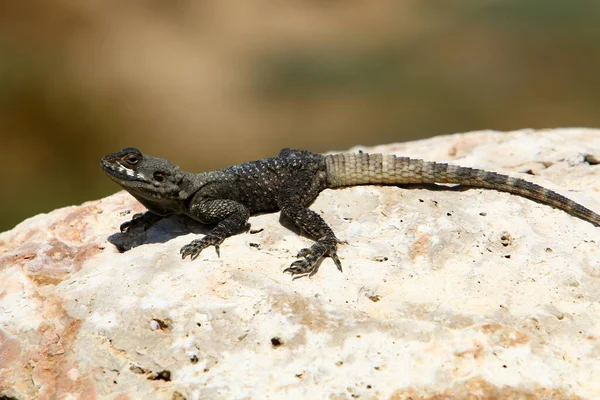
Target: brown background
(211,83)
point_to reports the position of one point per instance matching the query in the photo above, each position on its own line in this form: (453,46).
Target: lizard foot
(133,223)
(308,264)
(140,222)
(194,248)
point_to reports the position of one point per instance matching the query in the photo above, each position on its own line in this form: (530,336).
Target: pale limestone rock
(444,293)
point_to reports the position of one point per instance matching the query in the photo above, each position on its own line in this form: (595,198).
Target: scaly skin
(381,169)
(289,182)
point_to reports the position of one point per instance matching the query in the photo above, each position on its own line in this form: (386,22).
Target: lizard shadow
(160,232)
(163,231)
(438,187)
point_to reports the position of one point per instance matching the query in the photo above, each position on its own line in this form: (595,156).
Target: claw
(300,268)
(185,251)
(189,250)
(336,261)
(194,248)
(125,226)
(308,265)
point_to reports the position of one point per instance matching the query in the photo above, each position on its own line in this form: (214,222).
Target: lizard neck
(176,202)
(191,183)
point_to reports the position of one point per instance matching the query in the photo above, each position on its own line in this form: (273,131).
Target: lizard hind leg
(293,202)
(326,242)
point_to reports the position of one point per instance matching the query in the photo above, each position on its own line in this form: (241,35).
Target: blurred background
(211,83)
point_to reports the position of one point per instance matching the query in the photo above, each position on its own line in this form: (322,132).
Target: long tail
(382,169)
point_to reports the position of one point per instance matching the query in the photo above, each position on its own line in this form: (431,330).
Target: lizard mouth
(119,173)
(109,168)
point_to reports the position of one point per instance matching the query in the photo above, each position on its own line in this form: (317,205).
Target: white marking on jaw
(124,170)
(132,173)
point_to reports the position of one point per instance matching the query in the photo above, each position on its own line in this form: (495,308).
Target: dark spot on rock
(591,159)
(374,298)
(178,396)
(506,239)
(163,325)
(137,369)
(163,375)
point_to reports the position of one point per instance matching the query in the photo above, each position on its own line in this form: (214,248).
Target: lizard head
(143,176)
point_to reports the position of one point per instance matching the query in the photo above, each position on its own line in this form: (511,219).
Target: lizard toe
(304,252)
(188,250)
(194,248)
(124,228)
(301,268)
(336,260)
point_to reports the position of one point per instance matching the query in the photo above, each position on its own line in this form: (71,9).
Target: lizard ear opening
(159,176)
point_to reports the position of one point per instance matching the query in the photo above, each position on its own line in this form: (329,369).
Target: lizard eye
(159,177)
(132,159)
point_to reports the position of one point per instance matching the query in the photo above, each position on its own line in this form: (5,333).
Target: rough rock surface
(445,293)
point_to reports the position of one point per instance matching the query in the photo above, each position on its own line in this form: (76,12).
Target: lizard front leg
(231,218)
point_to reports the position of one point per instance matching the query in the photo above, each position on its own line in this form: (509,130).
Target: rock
(445,293)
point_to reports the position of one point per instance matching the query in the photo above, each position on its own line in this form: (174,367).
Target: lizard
(289,183)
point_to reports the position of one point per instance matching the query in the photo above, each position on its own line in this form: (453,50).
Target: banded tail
(348,169)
